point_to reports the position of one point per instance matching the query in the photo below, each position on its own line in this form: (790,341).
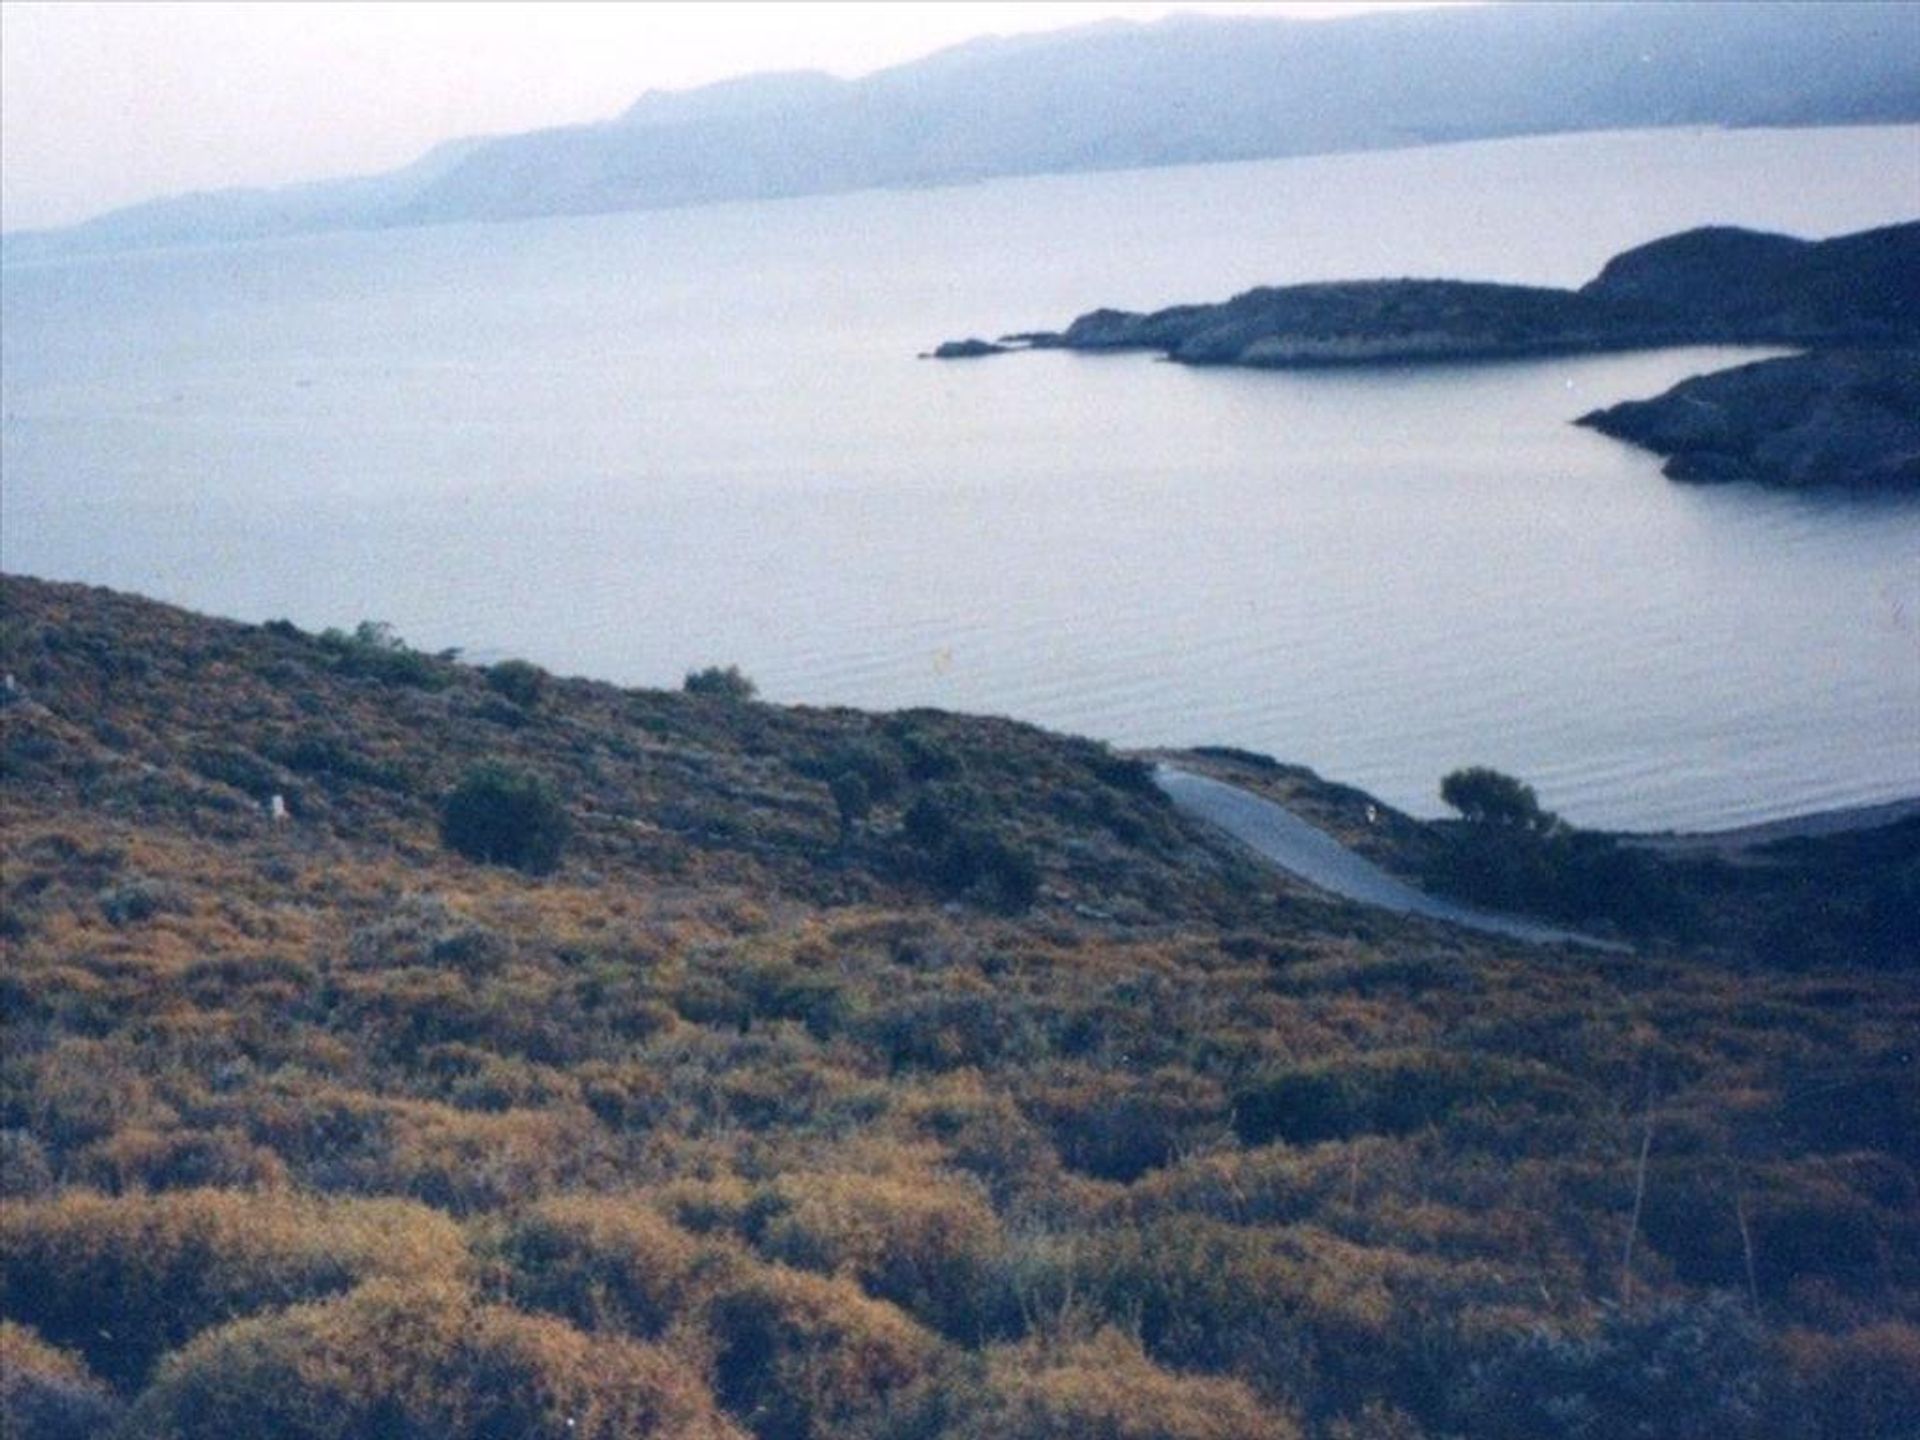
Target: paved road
(1316,857)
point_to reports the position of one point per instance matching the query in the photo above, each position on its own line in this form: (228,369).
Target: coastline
(1815,825)
(1372,827)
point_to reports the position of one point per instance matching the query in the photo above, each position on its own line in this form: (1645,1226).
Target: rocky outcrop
(1838,418)
(1727,283)
(1711,286)
(965,350)
(1848,415)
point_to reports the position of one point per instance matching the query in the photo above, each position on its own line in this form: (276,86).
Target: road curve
(1284,839)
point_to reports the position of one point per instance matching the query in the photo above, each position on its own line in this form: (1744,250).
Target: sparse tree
(721,683)
(1487,797)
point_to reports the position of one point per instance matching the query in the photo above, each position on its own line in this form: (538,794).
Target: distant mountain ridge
(1189,89)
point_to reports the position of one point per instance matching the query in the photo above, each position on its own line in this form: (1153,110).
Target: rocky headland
(1830,417)
(971,349)
(1718,285)
(1827,418)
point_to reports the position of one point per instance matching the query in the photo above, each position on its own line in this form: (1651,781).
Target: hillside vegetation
(846,1075)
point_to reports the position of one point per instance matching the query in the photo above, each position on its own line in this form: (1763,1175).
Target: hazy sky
(106,104)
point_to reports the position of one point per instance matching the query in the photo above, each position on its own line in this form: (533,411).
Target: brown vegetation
(747,1120)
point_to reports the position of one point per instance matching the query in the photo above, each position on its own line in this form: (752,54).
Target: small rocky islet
(1845,412)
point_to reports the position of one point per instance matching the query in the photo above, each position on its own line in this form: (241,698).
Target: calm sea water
(630,445)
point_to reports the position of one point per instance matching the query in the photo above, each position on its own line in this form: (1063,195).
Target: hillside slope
(761,1113)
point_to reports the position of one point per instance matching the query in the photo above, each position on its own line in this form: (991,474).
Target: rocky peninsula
(1718,285)
(1827,418)
(1849,413)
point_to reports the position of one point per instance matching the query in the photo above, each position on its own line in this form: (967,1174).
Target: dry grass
(728,1127)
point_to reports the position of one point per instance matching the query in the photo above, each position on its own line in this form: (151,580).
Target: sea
(626,446)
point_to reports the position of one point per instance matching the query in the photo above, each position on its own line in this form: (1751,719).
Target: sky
(103,105)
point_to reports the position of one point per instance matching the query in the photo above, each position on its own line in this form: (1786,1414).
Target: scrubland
(982,1098)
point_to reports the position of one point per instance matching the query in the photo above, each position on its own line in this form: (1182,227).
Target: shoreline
(1332,795)
(1814,825)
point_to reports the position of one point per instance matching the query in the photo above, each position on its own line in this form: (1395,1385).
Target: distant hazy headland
(1114,96)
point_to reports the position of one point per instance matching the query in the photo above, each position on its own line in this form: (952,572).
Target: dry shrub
(623,1094)
(1376,1421)
(1104,1388)
(963,1025)
(329,1134)
(86,1089)
(25,1170)
(1289,1309)
(467,1162)
(138,1158)
(983,1132)
(928,1243)
(705,1206)
(1862,1386)
(125,1279)
(801,1356)
(47,1394)
(1116,1126)
(1393,1093)
(606,1263)
(461,1160)
(1278,1184)
(1835,1217)
(424,931)
(396,1359)
(473,1078)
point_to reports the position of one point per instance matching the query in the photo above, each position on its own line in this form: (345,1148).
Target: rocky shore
(1833,418)
(1848,413)
(1719,285)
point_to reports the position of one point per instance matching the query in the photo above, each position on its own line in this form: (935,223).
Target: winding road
(1285,840)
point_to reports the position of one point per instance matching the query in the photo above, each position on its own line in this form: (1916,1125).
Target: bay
(631,445)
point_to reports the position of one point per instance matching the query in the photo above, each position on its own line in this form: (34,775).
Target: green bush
(1389,1094)
(927,757)
(720,683)
(852,798)
(502,816)
(1684,1370)
(375,652)
(876,766)
(962,856)
(520,681)
(1563,874)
